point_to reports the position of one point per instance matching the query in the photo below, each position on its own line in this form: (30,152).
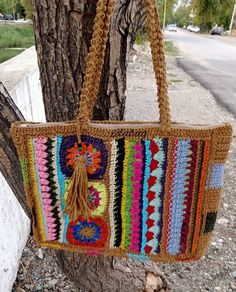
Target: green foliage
(169,47)
(226,13)
(12,37)
(170,4)
(141,37)
(28,7)
(16,36)
(6,54)
(20,10)
(21,7)
(182,16)
(8,6)
(211,12)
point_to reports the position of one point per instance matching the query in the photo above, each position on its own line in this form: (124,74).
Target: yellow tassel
(77,200)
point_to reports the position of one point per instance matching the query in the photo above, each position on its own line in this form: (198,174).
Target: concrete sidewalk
(13,70)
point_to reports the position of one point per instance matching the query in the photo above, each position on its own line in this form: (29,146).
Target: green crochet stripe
(24,170)
(129,194)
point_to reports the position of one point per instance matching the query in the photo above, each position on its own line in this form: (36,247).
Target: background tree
(225,14)
(170,5)
(63,31)
(182,16)
(28,8)
(13,7)
(211,12)
(8,6)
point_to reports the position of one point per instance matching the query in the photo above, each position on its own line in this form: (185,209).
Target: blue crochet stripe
(157,189)
(138,258)
(148,157)
(217,176)
(178,187)
(61,180)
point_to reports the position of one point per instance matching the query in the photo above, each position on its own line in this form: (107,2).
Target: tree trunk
(63,30)
(9,163)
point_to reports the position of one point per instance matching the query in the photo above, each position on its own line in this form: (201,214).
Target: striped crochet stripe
(43,181)
(162,192)
(118,191)
(192,165)
(205,148)
(56,211)
(61,179)
(127,194)
(56,184)
(148,157)
(113,191)
(36,188)
(24,171)
(179,175)
(155,181)
(136,197)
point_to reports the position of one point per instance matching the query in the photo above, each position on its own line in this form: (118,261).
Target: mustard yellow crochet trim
(124,192)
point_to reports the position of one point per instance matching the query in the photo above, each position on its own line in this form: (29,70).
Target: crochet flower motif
(94,199)
(93,157)
(97,198)
(95,153)
(91,232)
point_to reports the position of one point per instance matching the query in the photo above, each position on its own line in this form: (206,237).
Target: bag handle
(77,198)
(94,62)
(96,59)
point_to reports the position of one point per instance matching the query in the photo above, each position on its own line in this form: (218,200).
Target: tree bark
(9,163)
(63,31)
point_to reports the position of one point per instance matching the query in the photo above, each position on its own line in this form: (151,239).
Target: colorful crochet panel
(145,216)
(146,195)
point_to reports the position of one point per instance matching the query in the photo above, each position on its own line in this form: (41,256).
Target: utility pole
(164,17)
(233,20)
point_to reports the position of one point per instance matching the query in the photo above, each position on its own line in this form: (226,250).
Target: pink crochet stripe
(136,197)
(41,162)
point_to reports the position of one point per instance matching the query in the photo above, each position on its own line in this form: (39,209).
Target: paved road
(211,60)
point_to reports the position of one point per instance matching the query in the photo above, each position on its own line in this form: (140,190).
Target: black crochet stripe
(210,222)
(52,185)
(118,191)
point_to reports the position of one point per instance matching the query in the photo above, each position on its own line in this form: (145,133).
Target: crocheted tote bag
(129,189)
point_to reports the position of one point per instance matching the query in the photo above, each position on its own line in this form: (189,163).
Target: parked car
(9,17)
(193,28)
(216,31)
(172,27)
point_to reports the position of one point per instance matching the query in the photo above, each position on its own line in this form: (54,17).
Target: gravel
(190,103)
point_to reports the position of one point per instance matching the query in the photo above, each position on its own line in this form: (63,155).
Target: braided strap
(159,65)
(96,59)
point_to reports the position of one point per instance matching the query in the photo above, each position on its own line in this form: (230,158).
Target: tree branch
(9,163)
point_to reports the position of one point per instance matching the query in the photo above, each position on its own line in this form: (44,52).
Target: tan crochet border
(218,137)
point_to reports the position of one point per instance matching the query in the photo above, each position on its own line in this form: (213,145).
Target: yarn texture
(145,191)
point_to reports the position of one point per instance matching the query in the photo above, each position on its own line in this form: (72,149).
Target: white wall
(21,77)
